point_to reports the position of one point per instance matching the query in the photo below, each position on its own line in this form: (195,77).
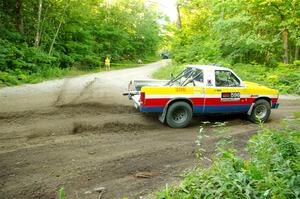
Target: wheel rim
(179,115)
(261,111)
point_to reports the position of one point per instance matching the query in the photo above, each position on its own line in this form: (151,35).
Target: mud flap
(250,109)
(162,116)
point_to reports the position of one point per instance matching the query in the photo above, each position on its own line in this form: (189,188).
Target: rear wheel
(261,111)
(179,115)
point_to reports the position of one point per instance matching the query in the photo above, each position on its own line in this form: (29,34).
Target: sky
(168,7)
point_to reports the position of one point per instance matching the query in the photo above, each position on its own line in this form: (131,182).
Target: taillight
(142,97)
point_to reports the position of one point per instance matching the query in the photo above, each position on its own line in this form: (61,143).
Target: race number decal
(230,96)
(180,89)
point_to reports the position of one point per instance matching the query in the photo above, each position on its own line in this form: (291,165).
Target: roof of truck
(205,67)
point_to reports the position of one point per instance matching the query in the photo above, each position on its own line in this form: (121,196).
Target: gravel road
(104,87)
(81,133)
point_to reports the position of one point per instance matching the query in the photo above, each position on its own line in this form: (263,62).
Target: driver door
(226,95)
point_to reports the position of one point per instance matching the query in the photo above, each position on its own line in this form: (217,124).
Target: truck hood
(260,87)
(252,84)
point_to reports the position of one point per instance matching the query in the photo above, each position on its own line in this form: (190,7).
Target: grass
(18,77)
(114,66)
(271,171)
(61,193)
(165,72)
(285,78)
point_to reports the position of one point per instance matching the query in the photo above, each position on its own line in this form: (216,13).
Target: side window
(194,73)
(187,72)
(226,78)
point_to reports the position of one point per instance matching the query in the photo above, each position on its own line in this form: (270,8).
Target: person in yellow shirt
(107,63)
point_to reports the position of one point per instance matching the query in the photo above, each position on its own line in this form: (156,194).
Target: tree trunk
(297,53)
(42,22)
(58,29)
(54,38)
(285,35)
(178,23)
(221,33)
(19,17)
(38,29)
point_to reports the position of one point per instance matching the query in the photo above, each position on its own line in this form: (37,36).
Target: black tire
(262,109)
(179,115)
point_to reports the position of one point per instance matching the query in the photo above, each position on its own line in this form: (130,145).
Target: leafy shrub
(165,72)
(272,171)
(284,77)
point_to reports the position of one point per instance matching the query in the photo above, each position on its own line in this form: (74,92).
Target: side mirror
(242,84)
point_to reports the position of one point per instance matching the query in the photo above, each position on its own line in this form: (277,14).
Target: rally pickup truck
(202,89)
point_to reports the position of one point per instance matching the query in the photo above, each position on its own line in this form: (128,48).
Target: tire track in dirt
(109,127)
(60,96)
(71,109)
(37,128)
(119,174)
(85,93)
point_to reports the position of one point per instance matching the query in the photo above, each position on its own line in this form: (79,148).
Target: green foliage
(238,31)
(272,171)
(245,35)
(285,78)
(61,193)
(165,72)
(83,34)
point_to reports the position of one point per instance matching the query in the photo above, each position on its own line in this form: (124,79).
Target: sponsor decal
(230,96)
(209,82)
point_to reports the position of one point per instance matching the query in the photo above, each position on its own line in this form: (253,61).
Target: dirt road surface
(81,133)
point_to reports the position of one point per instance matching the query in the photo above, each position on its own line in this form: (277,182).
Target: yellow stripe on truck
(168,90)
(258,90)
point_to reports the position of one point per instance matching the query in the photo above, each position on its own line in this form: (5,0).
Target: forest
(259,39)
(240,31)
(43,39)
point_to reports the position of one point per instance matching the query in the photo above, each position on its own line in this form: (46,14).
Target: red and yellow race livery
(202,89)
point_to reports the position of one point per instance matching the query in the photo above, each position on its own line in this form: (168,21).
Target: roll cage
(189,74)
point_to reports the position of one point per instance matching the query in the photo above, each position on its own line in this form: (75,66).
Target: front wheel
(261,111)
(179,115)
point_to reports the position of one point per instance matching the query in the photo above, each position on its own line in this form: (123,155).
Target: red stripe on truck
(202,101)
